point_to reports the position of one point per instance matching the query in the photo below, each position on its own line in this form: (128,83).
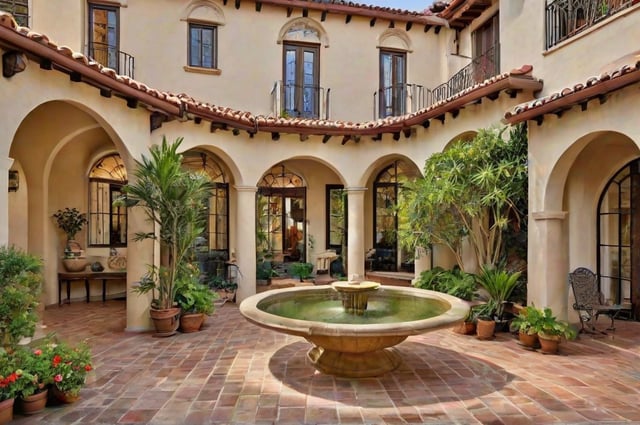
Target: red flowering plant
(9,377)
(35,368)
(70,367)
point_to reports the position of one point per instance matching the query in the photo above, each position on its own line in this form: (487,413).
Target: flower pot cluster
(540,329)
(33,377)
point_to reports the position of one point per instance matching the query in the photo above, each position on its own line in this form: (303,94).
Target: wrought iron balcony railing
(122,62)
(408,98)
(399,99)
(566,18)
(300,100)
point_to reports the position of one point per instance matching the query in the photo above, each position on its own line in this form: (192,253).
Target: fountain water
(353,325)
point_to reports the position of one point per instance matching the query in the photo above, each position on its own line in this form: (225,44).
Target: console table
(69,277)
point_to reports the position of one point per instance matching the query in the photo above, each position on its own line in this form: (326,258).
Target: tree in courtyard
(474,189)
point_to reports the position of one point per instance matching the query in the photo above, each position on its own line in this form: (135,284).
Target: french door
(301,80)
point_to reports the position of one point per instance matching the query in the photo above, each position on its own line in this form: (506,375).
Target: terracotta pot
(6,411)
(166,321)
(549,344)
(34,403)
(64,397)
(527,340)
(465,328)
(485,328)
(76,264)
(191,322)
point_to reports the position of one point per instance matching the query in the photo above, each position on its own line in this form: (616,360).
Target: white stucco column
(548,262)
(5,164)
(246,241)
(355,235)
(422,262)
(139,256)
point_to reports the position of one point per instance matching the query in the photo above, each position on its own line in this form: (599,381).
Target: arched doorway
(281,212)
(212,250)
(618,259)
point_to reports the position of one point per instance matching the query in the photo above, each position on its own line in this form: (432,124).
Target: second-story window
(393,78)
(301,80)
(18,8)
(104,35)
(203,51)
(107,224)
(486,50)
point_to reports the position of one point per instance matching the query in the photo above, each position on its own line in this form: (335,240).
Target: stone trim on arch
(395,38)
(203,11)
(304,23)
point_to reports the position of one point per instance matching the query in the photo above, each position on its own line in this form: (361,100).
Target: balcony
(409,98)
(106,55)
(300,101)
(398,99)
(566,18)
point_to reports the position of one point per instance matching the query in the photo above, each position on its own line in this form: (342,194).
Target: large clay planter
(549,344)
(166,321)
(6,411)
(191,322)
(34,403)
(485,329)
(64,397)
(527,340)
(75,264)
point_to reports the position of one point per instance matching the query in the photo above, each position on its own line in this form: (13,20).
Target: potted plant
(70,366)
(527,323)
(552,331)
(499,284)
(9,382)
(20,288)
(36,366)
(224,289)
(71,221)
(195,300)
(485,320)
(175,200)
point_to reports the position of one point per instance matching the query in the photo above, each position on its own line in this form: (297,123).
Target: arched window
(281,215)
(618,215)
(107,224)
(385,219)
(217,232)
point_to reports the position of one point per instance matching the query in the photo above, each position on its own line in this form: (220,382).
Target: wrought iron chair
(589,302)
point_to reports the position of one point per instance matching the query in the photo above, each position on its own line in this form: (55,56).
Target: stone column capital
(240,188)
(549,215)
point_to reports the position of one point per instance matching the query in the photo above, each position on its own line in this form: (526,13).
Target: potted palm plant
(175,200)
(499,285)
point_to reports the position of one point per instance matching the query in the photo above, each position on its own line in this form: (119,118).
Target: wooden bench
(86,277)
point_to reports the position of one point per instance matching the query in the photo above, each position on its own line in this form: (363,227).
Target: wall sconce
(13,63)
(14,180)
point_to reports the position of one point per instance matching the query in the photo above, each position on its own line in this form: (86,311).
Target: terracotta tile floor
(236,373)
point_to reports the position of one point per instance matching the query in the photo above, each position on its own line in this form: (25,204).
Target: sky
(417,5)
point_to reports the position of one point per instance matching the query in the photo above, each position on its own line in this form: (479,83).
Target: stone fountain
(353,325)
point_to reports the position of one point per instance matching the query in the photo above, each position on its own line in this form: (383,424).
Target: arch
(395,38)
(305,30)
(203,11)
(465,136)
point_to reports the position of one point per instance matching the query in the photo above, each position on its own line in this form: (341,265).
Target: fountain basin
(353,345)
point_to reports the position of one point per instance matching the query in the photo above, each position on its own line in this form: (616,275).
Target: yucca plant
(499,284)
(175,200)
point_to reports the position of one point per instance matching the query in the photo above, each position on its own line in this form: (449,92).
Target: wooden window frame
(214,46)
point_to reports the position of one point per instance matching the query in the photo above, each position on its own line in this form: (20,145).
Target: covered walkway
(234,372)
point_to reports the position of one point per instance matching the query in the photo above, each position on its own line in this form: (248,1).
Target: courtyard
(233,372)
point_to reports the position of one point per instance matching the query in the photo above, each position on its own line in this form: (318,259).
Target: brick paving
(233,372)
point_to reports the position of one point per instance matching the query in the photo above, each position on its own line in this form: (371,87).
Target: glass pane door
(301,82)
(103,35)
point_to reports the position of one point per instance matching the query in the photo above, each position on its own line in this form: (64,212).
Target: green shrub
(453,282)
(20,287)
(301,270)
